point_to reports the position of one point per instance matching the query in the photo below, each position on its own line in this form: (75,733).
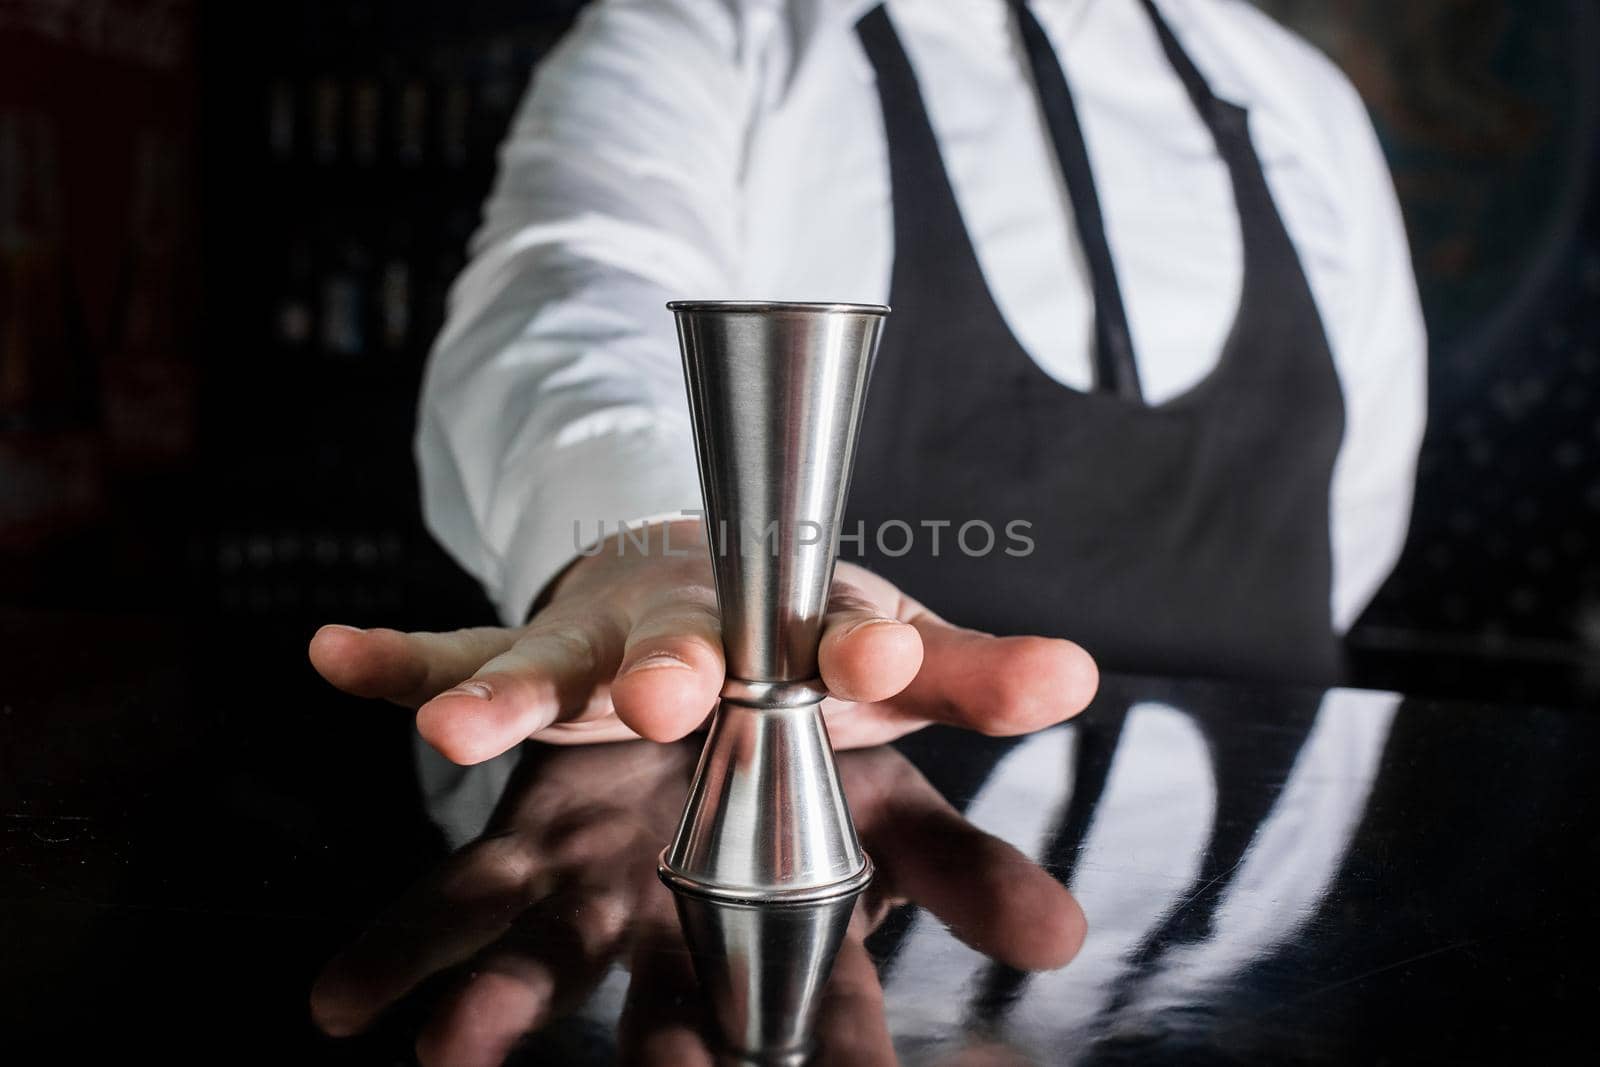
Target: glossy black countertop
(192,827)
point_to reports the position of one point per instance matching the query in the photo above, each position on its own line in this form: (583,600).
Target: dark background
(226,232)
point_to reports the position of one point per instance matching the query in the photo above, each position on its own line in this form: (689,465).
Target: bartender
(1152,302)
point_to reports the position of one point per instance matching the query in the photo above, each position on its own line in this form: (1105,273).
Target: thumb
(866,654)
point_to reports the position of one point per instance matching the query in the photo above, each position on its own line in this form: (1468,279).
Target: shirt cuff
(643,475)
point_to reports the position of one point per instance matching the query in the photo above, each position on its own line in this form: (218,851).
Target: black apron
(1190,537)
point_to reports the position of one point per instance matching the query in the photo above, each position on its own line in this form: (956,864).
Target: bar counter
(195,833)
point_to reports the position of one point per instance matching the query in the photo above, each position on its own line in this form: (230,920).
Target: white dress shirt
(735,149)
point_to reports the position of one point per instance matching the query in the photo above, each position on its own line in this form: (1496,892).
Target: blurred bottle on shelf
(455,112)
(411,120)
(366,106)
(282,121)
(327,114)
(344,300)
(41,379)
(395,289)
(50,472)
(147,377)
(296,315)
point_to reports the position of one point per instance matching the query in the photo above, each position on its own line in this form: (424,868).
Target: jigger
(776,392)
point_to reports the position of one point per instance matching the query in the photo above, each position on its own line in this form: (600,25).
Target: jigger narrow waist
(773,695)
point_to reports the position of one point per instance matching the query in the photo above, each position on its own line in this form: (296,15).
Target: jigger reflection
(515,931)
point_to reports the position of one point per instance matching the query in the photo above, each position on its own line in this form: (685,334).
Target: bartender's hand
(628,645)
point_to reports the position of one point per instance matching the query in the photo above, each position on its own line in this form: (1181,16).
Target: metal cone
(763,968)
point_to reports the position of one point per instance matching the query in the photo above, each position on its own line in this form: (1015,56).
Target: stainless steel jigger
(776,393)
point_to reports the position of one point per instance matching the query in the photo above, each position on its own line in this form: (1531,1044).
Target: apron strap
(1193,81)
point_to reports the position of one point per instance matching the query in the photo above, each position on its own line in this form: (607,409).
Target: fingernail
(470,689)
(876,620)
(656,660)
(342,626)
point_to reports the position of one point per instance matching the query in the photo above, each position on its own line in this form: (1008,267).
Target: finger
(866,654)
(605,731)
(554,673)
(483,1021)
(991,896)
(663,1019)
(999,686)
(851,1027)
(441,922)
(407,668)
(548,961)
(585,801)
(671,667)
(856,726)
(987,1053)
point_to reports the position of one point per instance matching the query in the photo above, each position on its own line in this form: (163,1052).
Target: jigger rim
(769,306)
(752,896)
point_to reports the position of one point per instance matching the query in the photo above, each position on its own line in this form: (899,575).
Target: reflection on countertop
(1202,844)
(555,895)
